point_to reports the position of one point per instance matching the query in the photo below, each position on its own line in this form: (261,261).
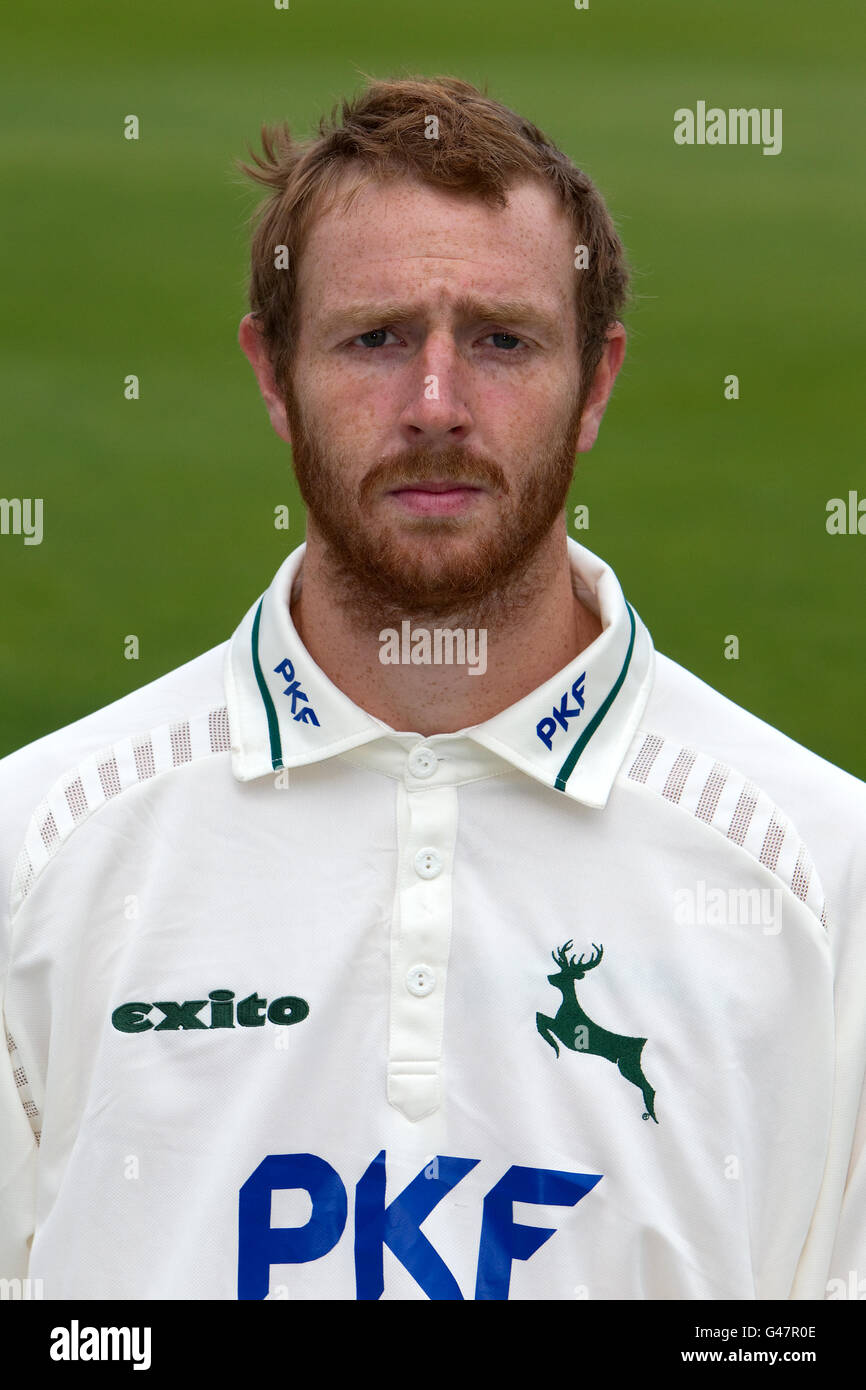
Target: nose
(436,411)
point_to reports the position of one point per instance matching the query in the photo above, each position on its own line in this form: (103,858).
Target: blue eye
(380,334)
(508,345)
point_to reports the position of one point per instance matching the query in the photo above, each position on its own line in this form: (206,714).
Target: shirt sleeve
(848,1259)
(833,1265)
(18,1150)
(847,1272)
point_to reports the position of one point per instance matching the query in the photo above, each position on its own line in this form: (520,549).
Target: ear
(602,385)
(253,345)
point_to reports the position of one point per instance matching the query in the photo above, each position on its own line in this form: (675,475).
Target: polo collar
(570,733)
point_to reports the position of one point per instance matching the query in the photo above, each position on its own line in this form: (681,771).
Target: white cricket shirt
(566,1005)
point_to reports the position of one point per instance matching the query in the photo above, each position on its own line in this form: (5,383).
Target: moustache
(453,464)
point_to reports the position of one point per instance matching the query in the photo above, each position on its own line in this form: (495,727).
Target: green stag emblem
(576,1030)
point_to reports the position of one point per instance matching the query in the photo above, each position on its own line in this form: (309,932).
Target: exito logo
(250,1012)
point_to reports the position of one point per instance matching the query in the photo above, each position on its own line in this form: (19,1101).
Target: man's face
(432,408)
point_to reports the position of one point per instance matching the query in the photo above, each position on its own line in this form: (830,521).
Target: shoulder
(720,762)
(684,707)
(65,774)
(176,695)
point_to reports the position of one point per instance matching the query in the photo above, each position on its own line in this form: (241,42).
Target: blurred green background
(123,257)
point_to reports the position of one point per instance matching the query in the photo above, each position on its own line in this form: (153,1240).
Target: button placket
(420,944)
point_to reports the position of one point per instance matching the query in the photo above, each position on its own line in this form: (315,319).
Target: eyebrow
(517,313)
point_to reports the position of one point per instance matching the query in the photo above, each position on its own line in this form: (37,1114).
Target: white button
(428,863)
(422,762)
(420,980)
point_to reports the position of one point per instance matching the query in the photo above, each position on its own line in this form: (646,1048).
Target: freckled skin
(361,420)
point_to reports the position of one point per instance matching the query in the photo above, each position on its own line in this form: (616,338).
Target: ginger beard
(473,570)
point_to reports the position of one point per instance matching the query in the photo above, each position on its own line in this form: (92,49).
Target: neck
(514,646)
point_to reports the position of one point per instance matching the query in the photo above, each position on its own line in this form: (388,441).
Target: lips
(449,486)
(438,497)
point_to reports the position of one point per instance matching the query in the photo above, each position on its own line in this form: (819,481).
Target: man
(433,937)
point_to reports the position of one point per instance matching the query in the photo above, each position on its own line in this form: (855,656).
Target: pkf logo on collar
(561,713)
(307,715)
